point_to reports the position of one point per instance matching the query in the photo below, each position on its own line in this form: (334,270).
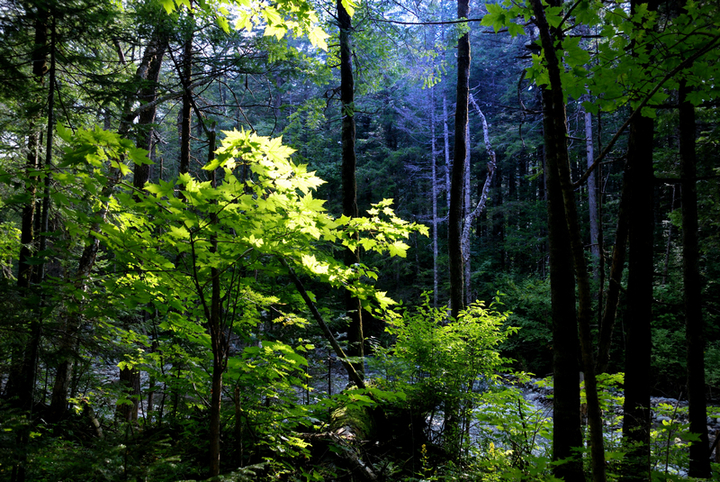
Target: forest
(361,240)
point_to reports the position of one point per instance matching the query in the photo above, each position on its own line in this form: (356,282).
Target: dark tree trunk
(567,434)
(25,352)
(130,383)
(186,112)
(560,191)
(636,425)
(152,62)
(457,284)
(218,339)
(148,74)
(638,317)
(699,456)
(356,337)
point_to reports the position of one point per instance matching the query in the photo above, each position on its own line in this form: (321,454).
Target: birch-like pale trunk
(448,160)
(592,198)
(480,207)
(434,194)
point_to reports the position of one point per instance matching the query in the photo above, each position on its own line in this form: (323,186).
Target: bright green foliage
(166,242)
(604,70)
(514,440)
(275,18)
(441,363)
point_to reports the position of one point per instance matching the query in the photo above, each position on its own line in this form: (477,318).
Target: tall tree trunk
(17,385)
(148,74)
(434,194)
(446,150)
(353,307)
(558,165)
(457,283)
(636,425)
(592,199)
(467,209)
(638,348)
(218,339)
(699,456)
(480,207)
(186,111)
(26,382)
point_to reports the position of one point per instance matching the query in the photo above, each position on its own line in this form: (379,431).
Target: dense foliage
(174,240)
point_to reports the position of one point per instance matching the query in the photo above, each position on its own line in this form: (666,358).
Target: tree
(699,456)
(353,306)
(457,271)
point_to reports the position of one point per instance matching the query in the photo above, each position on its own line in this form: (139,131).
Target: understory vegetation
(305,240)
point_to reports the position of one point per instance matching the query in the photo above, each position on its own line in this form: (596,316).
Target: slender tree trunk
(186,112)
(26,382)
(557,163)
(699,454)
(457,283)
(434,194)
(467,209)
(592,199)
(218,339)
(446,150)
(616,270)
(353,306)
(480,207)
(24,352)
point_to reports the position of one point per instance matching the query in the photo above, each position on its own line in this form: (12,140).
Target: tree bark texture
(353,307)
(457,284)
(699,456)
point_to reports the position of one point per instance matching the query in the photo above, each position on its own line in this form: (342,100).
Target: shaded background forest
(169,81)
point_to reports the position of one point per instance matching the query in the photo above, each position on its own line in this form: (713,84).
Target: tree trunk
(152,60)
(636,425)
(185,113)
(21,378)
(699,456)
(638,348)
(616,270)
(130,384)
(148,74)
(592,199)
(218,338)
(480,207)
(434,194)
(457,283)
(446,150)
(353,306)
(561,204)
